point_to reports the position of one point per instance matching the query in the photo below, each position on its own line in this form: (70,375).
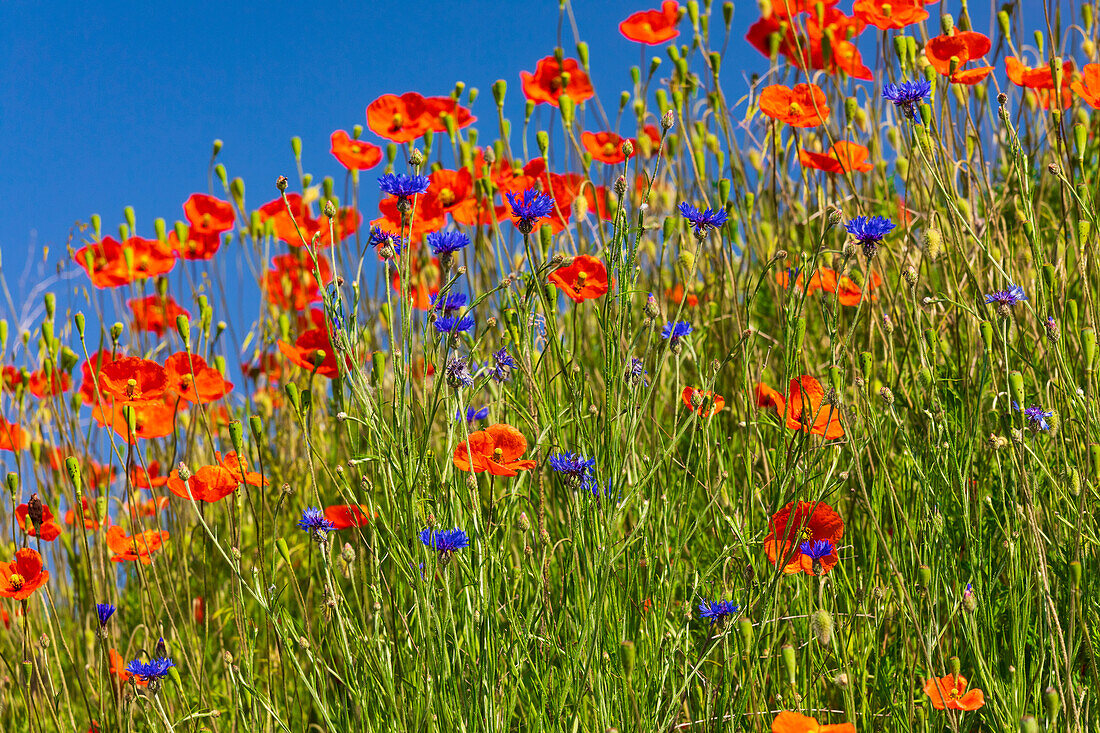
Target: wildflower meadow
(734,402)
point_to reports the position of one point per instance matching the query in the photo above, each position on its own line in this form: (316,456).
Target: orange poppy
(191,379)
(1040,81)
(552,79)
(151,419)
(208,215)
(791,8)
(808,50)
(291,283)
(208,484)
(803,106)
(607,147)
(887,14)
(448,191)
(848,293)
(792,526)
(238,467)
(155,313)
(709,402)
(344,516)
(197,246)
(768,397)
(791,722)
(400,119)
(842,156)
(425,282)
(435,108)
(22,576)
(118,669)
(358,155)
(676,295)
(583,279)
(138,547)
(653,26)
(309,344)
(88,514)
(50,529)
(42,386)
(950,693)
(292,229)
(147,508)
(596,199)
(427,217)
(110,263)
(12,437)
(132,379)
(10,378)
(1088,86)
(496,449)
(803,407)
(959,48)
(148,477)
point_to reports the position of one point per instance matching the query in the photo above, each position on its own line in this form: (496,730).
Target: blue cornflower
(817,549)
(151,671)
(458,373)
(444,540)
(380,239)
(869,231)
(530,206)
(314,519)
(1005,299)
(792,276)
(448,303)
(445,243)
(104,611)
(577,469)
(403,186)
(673,332)
(714,611)
(1036,416)
(503,364)
(636,373)
(906,95)
(472,414)
(703,221)
(454,324)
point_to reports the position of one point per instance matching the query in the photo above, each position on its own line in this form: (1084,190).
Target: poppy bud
(1053,704)
(116,332)
(747,632)
(627,654)
(955,665)
(821,624)
(668,119)
(284,551)
(1028,724)
(282,183)
(789,662)
(1016,387)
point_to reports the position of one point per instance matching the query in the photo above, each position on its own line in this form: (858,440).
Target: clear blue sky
(108,104)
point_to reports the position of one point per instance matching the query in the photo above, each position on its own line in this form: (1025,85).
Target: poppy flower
(959,48)
(150,419)
(703,402)
(553,78)
(294,223)
(607,147)
(583,279)
(358,155)
(807,49)
(436,108)
(887,14)
(400,119)
(793,528)
(88,371)
(768,397)
(138,547)
(12,437)
(148,476)
(496,449)
(311,343)
(191,379)
(104,262)
(149,257)
(291,283)
(22,576)
(791,722)
(238,467)
(803,106)
(842,156)
(87,512)
(448,190)
(42,386)
(117,668)
(343,516)
(596,199)
(849,293)
(155,313)
(50,530)
(10,378)
(1040,81)
(653,26)
(1088,86)
(425,281)
(808,411)
(208,215)
(148,508)
(950,693)
(208,484)
(427,217)
(197,246)
(676,295)
(132,379)
(790,8)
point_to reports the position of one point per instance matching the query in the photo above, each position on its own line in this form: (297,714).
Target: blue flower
(458,373)
(445,540)
(673,332)
(379,238)
(906,95)
(454,324)
(448,303)
(636,373)
(314,519)
(445,243)
(714,611)
(402,186)
(703,221)
(869,231)
(1036,416)
(473,414)
(576,468)
(817,549)
(529,207)
(503,364)
(150,671)
(104,611)
(1007,298)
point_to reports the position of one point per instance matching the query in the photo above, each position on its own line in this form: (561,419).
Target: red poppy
(958,49)
(791,8)
(311,343)
(595,199)
(88,370)
(208,215)
(436,108)
(1088,86)
(344,516)
(117,668)
(197,246)
(653,26)
(208,484)
(553,79)
(238,467)
(790,722)
(427,217)
(10,378)
(147,477)
(849,293)
(887,14)
(803,106)
(267,364)
(842,156)
(358,155)
(87,512)
(12,437)
(564,188)
(768,397)
(132,379)
(425,282)
(302,225)
(42,386)
(1040,81)
(150,419)
(804,407)
(448,191)
(676,295)
(190,378)
(400,119)
(110,263)
(345,224)
(607,147)
(705,403)
(950,693)
(585,278)
(808,50)
(792,526)
(156,313)
(22,576)
(291,283)
(50,529)
(496,449)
